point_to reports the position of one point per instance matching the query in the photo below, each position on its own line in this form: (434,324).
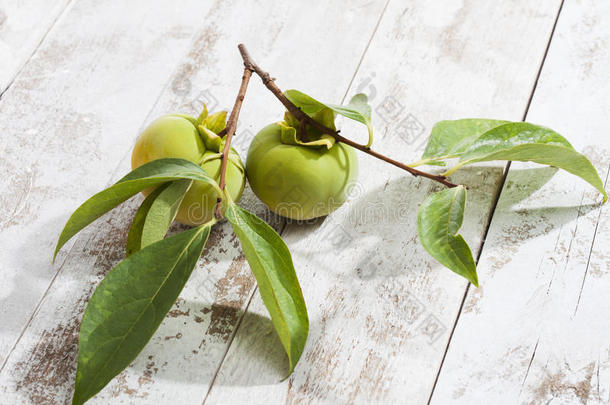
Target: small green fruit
(181,136)
(299,180)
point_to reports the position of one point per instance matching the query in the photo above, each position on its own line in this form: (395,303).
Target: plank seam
(284,223)
(224,355)
(79,237)
(546,52)
(529,365)
(584,278)
(42,39)
(574,232)
(481,245)
(39,304)
(497,198)
(366,49)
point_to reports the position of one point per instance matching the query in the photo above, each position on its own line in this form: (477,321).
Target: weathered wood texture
(538,330)
(23,25)
(381,310)
(180,362)
(66,121)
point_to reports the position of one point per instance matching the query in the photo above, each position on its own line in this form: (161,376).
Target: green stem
(420,162)
(453,169)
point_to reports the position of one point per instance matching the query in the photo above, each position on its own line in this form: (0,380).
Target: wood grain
(538,331)
(66,122)
(23,25)
(380,309)
(181,360)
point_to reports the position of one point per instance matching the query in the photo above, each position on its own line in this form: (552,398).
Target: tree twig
(269,82)
(230,131)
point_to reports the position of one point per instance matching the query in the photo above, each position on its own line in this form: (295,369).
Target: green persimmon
(196,140)
(299,179)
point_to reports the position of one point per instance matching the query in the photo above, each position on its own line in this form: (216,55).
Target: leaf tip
(287,376)
(77,397)
(473,277)
(55,253)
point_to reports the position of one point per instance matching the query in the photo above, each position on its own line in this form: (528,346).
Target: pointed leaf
(307,104)
(289,136)
(271,263)
(129,305)
(211,140)
(438,220)
(449,138)
(509,135)
(524,142)
(216,122)
(134,237)
(326,117)
(358,108)
(163,211)
(202,115)
(150,174)
(154,217)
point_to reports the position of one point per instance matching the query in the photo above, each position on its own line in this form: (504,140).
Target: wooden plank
(23,25)
(380,309)
(64,123)
(538,330)
(181,360)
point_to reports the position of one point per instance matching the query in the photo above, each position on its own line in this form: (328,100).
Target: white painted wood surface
(219,291)
(182,359)
(538,330)
(381,310)
(66,121)
(374,296)
(23,25)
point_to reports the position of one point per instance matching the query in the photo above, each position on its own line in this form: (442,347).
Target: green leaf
(509,135)
(271,263)
(524,142)
(134,237)
(438,220)
(202,115)
(216,122)
(307,104)
(211,140)
(449,138)
(358,108)
(129,305)
(156,214)
(150,174)
(289,136)
(480,140)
